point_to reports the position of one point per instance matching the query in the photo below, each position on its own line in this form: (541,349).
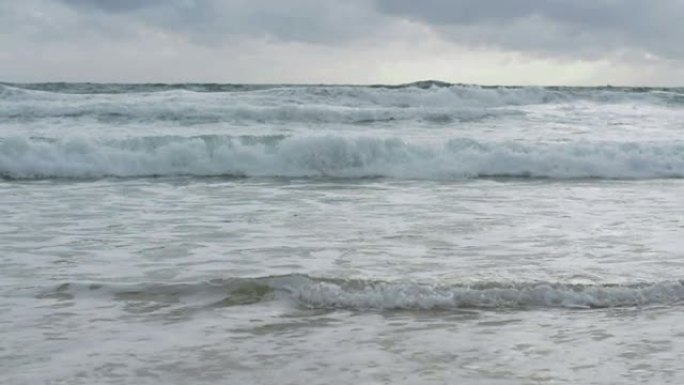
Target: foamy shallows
(426,233)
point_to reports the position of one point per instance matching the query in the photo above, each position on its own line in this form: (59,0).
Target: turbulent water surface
(419,234)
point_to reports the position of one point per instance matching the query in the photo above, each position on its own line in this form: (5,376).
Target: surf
(334,156)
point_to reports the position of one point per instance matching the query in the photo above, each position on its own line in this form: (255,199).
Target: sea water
(272,234)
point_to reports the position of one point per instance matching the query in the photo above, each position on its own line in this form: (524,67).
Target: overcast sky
(560,42)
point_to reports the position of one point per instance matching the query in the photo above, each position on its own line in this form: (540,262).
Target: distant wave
(360,294)
(334,156)
(127,88)
(47,99)
(190,112)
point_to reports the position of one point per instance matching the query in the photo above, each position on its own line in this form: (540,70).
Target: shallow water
(527,236)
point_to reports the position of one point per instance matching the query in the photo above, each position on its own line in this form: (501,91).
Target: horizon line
(417,83)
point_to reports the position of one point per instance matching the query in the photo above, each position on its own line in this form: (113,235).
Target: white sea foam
(333,156)
(410,296)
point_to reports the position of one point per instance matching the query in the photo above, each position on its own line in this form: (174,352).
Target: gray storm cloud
(210,21)
(116,5)
(551,27)
(392,36)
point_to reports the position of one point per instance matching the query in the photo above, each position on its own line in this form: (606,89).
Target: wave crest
(333,156)
(360,294)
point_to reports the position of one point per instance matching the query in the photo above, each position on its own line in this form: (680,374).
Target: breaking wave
(334,156)
(430,102)
(359,294)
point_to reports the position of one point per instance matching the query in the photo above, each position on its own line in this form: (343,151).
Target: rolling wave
(430,103)
(419,94)
(334,156)
(359,294)
(238,112)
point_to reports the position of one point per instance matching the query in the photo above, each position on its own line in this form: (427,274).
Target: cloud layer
(579,42)
(554,26)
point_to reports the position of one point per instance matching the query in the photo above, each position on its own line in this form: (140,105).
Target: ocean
(428,233)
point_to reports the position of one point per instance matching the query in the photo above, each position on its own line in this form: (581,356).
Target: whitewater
(427,233)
